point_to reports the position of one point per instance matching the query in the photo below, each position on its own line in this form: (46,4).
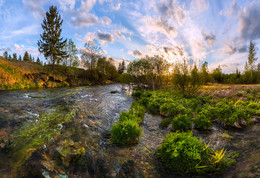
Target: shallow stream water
(97,109)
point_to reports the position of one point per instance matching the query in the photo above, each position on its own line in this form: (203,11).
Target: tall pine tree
(51,44)
(26,56)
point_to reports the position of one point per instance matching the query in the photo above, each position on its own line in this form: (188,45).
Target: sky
(216,31)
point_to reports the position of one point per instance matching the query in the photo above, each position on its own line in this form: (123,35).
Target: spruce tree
(20,58)
(26,56)
(9,57)
(15,57)
(38,60)
(51,43)
(5,55)
(30,58)
(251,56)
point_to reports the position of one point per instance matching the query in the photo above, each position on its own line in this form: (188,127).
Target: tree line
(155,73)
(26,57)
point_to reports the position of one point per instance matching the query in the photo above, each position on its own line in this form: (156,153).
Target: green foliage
(155,104)
(126,132)
(202,122)
(165,123)
(26,56)
(182,123)
(184,153)
(114,91)
(71,59)
(171,109)
(150,71)
(137,93)
(124,116)
(137,110)
(217,75)
(230,114)
(187,81)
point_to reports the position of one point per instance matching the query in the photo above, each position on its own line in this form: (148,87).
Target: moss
(33,136)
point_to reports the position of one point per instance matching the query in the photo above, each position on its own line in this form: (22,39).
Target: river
(80,147)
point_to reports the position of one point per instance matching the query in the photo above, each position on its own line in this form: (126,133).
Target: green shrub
(202,122)
(182,123)
(230,114)
(146,94)
(137,93)
(155,104)
(240,103)
(165,123)
(239,94)
(125,133)
(253,105)
(171,109)
(137,110)
(183,153)
(124,116)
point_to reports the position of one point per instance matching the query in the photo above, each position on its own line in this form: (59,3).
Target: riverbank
(27,75)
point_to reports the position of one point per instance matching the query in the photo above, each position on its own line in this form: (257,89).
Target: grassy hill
(24,75)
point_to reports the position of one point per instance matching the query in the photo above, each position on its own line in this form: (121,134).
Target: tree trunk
(53,63)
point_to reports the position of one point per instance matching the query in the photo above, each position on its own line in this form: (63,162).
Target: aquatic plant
(182,123)
(155,104)
(171,109)
(124,116)
(202,122)
(39,133)
(114,91)
(137,110)
(137,93)
(165,123)
(125,133)
(184,153)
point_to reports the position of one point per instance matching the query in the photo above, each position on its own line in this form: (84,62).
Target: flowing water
(87,134)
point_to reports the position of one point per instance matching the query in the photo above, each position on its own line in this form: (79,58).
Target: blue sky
(217,31)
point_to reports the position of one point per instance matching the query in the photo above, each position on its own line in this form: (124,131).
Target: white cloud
(116,7)
(232,11)
(67,4)
(199,5)
(106,21)
(18,48)
(82,17)
(171,9)
(36,8)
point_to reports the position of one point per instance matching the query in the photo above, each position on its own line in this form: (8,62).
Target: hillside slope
(24,75)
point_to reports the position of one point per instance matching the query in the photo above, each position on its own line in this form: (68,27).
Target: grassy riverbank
(25,75)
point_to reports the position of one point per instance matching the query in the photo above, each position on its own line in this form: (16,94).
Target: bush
(235,115)
(253,105)
(202,122)
(124,116)
(171,109)
(125,133)
(165,123)
(137,110)
(155,104)
(184,153)
(182,123)
(137,93)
